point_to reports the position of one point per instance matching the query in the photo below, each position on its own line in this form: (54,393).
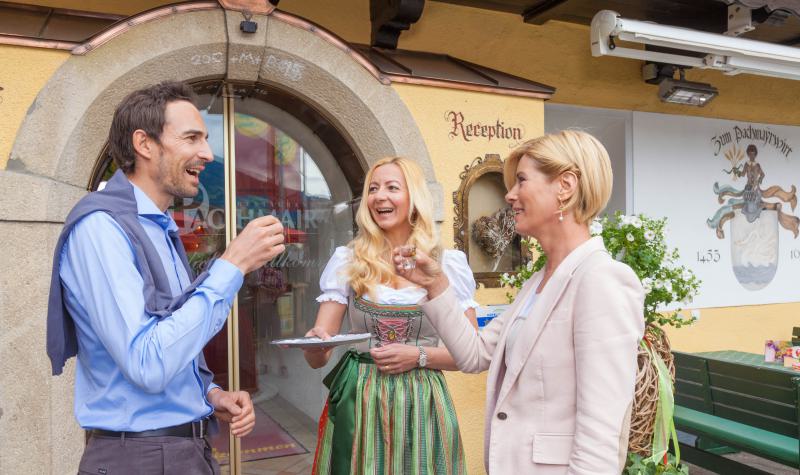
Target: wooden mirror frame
(480,166)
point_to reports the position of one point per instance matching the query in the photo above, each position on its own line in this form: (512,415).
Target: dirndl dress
(389,424)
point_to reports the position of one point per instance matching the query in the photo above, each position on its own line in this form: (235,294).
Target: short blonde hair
(569,151)
(370,265)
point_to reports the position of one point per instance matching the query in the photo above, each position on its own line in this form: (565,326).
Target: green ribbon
(342,382)
(664,428)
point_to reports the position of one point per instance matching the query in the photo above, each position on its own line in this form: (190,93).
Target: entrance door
(283,168)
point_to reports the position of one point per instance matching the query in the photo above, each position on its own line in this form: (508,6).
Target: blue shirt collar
(148,209)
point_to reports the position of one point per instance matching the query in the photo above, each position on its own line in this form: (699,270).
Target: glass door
(282,168)
(266,161)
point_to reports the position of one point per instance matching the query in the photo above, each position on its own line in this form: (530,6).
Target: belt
(197,429)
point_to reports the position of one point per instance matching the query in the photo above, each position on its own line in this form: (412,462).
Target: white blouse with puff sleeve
(335,288)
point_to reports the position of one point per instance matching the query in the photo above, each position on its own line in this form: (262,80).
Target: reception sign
(729,190)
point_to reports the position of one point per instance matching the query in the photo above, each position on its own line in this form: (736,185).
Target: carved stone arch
(65,129)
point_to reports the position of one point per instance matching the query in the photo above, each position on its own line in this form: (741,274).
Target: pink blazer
(562,405)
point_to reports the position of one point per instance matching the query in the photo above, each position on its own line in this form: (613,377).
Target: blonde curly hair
(371,263)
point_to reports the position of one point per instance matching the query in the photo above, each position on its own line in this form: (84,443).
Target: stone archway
(67,124)
(61,137)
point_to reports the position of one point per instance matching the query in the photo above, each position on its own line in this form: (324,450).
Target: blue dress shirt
(136,372)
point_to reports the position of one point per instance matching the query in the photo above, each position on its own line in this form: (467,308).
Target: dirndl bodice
(390,323)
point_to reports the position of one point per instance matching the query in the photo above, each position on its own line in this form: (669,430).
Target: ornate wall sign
(495,129)
(482,228)
(730,193)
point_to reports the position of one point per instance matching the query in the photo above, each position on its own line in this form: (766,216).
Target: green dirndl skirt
(398,424)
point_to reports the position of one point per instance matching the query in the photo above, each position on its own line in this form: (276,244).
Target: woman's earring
(560,211)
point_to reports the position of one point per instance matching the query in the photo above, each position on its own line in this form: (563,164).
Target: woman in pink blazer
(562,359)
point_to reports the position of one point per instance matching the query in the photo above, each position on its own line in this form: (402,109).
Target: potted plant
(639,242)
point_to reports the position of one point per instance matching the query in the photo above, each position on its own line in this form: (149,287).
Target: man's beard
(173,180)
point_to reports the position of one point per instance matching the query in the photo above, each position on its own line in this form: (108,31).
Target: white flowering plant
(639,242)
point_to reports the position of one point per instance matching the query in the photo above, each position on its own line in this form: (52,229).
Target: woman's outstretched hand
(419,268)
(318,356)
(320,333)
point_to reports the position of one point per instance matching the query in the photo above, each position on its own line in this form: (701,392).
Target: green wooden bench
(734,399)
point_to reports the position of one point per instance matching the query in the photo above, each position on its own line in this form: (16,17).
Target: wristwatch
(423,358)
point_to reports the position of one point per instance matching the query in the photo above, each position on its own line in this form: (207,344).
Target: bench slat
(687,360)
(783,393)
(781,448)
(690,402)
(689,388)
(757,375)
(760,421)
(759,405)
(690,373)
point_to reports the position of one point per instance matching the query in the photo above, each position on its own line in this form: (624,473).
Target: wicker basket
(645,401)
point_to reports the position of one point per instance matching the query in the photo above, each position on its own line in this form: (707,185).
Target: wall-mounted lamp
(680,91)
(677,91)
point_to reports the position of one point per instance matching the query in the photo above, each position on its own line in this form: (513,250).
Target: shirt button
(502,416)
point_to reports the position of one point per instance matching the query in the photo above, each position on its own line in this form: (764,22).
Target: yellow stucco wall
(557,54)
(430,106)
(737,328)
(23,73)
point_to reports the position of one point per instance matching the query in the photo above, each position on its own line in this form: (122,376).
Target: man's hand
(395,358)
(258,243)
(235,408)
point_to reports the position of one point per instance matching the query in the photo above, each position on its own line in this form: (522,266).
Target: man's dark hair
(752,148)
(143,109)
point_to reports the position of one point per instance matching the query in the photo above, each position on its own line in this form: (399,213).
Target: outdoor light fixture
(725,53)
(677,91)
(680,91)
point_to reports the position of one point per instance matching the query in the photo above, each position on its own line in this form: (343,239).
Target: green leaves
(637,465)
(639,242)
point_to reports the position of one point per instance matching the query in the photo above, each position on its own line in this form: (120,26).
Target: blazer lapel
(516,307)
(497,366)
(531,329)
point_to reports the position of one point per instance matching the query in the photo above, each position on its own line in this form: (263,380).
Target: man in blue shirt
(141,386)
